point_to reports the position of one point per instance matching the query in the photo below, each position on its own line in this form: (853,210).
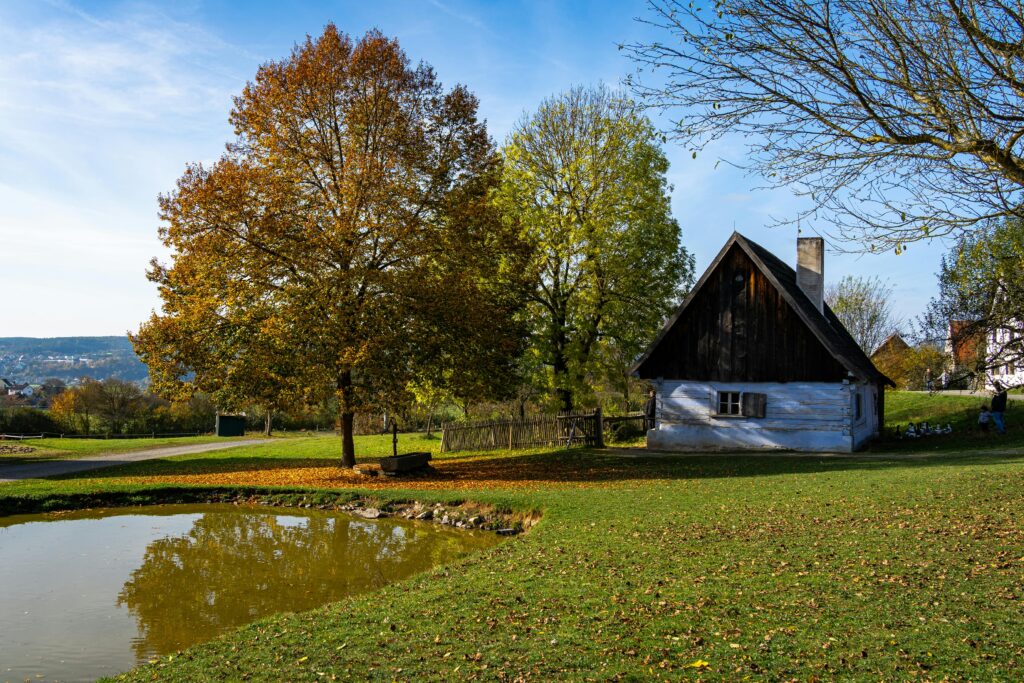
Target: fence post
(599,435)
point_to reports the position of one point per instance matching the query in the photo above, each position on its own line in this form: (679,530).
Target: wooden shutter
(754,404)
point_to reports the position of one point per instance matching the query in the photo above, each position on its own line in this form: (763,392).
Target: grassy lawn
(718,567)
(72,449)
(960,412)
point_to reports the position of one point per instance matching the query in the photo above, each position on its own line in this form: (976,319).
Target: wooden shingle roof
(824,325)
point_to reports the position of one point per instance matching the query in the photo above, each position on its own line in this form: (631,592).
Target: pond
(91,593)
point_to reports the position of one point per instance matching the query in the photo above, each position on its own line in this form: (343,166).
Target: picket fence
(565,429)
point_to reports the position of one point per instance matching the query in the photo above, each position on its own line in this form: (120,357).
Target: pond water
(91,593)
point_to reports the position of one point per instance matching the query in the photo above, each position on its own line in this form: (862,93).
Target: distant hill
(33,360)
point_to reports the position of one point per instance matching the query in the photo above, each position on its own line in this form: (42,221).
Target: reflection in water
(229,570)
(90,593)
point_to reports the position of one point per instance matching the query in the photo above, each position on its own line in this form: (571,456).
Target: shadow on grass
(559,466)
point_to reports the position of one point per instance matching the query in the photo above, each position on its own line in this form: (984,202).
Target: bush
(27,421)
(626,431)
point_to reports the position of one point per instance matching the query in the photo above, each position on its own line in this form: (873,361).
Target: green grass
(72,448)
(961,412)
(692,567)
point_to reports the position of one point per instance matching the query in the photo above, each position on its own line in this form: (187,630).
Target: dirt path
(53,468)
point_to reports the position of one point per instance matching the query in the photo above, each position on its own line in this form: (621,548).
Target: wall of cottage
(801,416)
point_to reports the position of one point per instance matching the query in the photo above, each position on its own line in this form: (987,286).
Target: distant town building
(1005,367)
(25,390)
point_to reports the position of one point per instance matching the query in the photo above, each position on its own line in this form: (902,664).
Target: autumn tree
(864,306)
(911,367)
(585,183)
(66,410)
(345,239)
(232,354)
(76,408)
(897,120)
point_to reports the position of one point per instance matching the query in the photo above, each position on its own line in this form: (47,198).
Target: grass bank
(722,567)
(70,448)
(960,412)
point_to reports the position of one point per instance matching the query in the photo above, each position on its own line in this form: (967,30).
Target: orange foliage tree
(344,243)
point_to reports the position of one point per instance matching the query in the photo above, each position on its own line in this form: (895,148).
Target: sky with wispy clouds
(102,104)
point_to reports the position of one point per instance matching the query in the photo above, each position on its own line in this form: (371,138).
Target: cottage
(893,346)
(755,359)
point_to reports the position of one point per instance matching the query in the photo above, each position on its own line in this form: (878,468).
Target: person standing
(998,408)
(984,418)
(650,409)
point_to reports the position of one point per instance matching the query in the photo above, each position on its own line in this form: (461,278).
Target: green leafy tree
(980,305)
(585,183)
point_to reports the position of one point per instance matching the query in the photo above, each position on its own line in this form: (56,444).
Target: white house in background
(755,359)
(25,390)
(1003,344)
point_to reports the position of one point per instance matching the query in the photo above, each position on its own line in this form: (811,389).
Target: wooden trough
(406,462)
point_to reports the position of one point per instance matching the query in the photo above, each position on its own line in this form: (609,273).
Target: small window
(729,403)
(858,410)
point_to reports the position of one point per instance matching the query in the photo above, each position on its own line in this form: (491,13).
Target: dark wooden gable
(738,327)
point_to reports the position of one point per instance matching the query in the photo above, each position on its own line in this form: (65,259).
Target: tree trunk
(562,380)
(268,422)
(430,420)
(560,362)
(625,394)
(345,407)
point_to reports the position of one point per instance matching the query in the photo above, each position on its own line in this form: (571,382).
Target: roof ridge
(823,324)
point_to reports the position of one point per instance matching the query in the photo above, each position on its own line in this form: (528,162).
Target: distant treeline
(116,407)
(65,345)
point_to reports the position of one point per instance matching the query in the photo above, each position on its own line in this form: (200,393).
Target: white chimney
(810,269)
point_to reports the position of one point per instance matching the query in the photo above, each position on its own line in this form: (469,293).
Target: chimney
(810,269)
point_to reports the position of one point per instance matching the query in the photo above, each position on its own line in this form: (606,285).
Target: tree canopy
(585,183)
(344,243)
(981,297)
(897,120)
(864,306)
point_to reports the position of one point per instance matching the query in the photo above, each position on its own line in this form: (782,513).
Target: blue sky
(103,103)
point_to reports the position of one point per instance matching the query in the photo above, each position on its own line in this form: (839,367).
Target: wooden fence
(566,429)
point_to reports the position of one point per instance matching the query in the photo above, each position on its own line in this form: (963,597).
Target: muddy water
(93,592)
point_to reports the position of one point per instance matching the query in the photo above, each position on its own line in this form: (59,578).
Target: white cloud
(99,115)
